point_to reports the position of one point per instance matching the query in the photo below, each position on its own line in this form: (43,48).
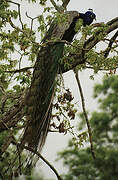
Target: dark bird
(41,92)
(87,18)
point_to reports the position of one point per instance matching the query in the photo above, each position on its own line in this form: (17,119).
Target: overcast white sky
(105,10)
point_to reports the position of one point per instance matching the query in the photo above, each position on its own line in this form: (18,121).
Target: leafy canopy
(104,124)
(20,42)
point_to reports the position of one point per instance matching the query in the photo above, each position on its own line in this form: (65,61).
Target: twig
(54,4)
(2,88)
(112,40)
(40,156)
(2,178)
(6,144)
(20,60)
(97,24)
(112,21)
(14,26)
(19,159)
(19,12)
(5,97)
(19,70)
(101,69)
(32,20)
(106,39)
(61,8)
(47,162)
(13,115)
(65,3)
(19,29)
(85,113)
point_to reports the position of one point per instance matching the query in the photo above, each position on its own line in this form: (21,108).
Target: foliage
(36,176)
(20,42)
(105,137)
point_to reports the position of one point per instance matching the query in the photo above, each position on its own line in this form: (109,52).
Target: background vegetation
(20,44)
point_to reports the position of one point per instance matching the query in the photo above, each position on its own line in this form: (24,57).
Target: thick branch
(106,53)
(79,58)
(92,41)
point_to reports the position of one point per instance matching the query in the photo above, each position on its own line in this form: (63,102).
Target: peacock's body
(41,92)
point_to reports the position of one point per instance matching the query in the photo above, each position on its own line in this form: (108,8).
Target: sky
(105,10)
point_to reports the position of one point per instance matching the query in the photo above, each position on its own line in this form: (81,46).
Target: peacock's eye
(92,16)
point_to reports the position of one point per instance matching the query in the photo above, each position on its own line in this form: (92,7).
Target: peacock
(41,92)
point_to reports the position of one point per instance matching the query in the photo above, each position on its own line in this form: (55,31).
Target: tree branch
(65,3)
(32,20)
(13,115)
(45,160)
(92,41)
(79,57)
(55,5)
(62,7)
(14,26)
(19,11)
(5,145)
(107,51)
(85,113)
(41,157)
(19,70)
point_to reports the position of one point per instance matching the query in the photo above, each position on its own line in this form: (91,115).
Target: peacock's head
(91,14)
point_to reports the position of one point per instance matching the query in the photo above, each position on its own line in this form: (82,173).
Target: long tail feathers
(41,92)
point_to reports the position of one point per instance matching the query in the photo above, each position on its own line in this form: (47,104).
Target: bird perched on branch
(41,92)
(87,18)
